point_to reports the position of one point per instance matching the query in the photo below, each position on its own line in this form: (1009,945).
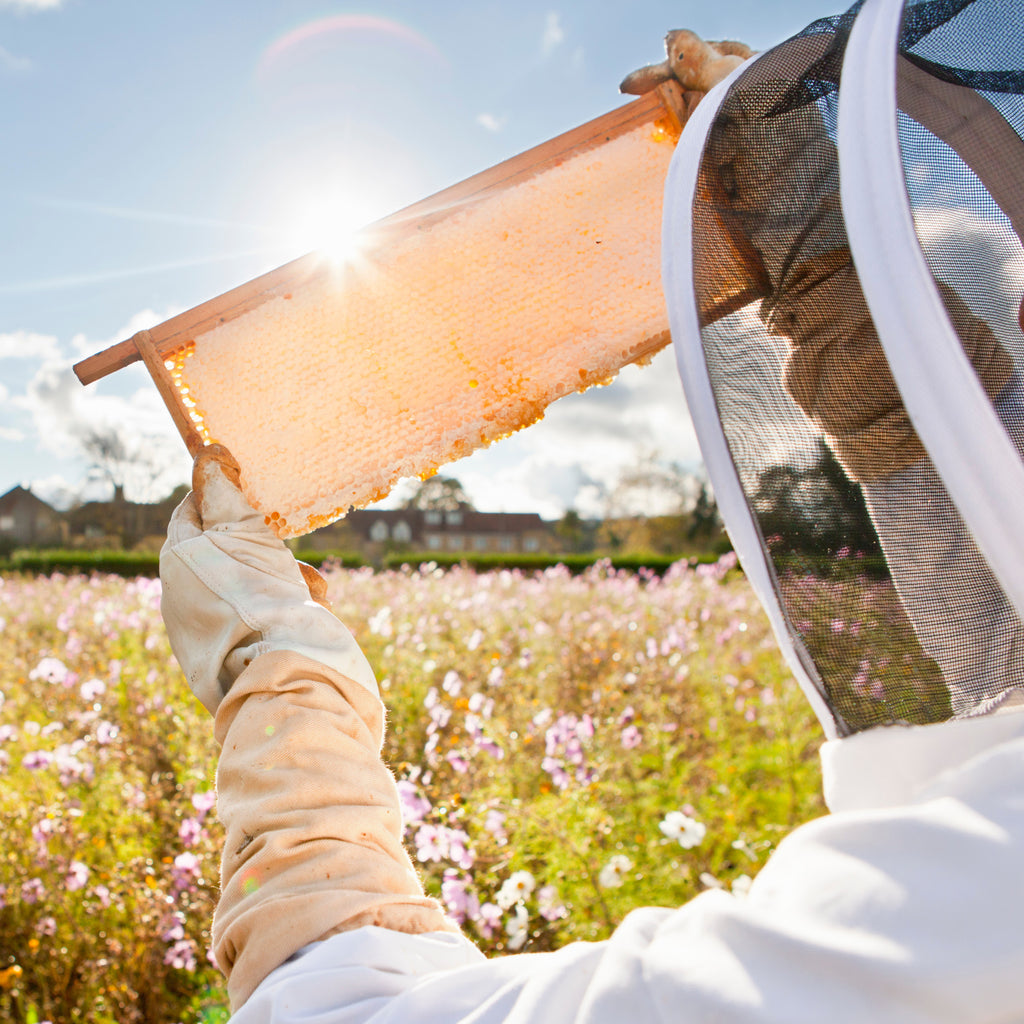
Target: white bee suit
(904,904)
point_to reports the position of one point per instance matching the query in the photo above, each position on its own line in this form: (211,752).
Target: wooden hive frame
(665,109)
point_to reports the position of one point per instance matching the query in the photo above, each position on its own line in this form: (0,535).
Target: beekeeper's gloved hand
(232,590)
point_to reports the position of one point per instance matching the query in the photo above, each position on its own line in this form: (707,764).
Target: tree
(705,522)
(439,494)
(815,510)
(575,533)
(138,467)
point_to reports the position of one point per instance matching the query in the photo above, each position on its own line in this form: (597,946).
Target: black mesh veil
(858,391)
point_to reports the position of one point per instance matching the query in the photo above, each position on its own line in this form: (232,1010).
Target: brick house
(443,531)
(27,521)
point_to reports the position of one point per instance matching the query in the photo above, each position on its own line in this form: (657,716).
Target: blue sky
(157,154)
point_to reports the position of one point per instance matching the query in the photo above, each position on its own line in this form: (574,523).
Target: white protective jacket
(904,905)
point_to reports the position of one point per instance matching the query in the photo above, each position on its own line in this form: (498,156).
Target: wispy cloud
(143,216)
(28,345)
(554,34)
(11,434)
(491,122)
(102,277)
(12,64)
(30,5)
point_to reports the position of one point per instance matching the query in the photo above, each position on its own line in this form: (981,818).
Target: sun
(331,224)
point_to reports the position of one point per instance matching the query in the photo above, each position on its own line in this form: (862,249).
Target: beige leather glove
(232,590)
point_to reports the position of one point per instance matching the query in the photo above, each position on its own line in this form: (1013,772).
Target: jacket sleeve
(772,179)
(313,830)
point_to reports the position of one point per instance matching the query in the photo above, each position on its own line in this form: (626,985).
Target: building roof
(20,497)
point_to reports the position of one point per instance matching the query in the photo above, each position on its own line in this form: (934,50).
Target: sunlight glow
(330,224)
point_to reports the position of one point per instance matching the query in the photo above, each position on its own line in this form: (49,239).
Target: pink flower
(204,802)
(190,831)
(631,737)
(429,843)
(488,919)
(548,904)
(415,807)
(77,875)
(92,689)
(495,824)
(106,732)
(50,670)
(182,956)
(32,891)
(185,869)
(36,759)
(47,926)
(458,897)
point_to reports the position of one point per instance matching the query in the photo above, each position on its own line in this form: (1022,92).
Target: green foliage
(553,719)
(814,510)
(52,560)
(143,563)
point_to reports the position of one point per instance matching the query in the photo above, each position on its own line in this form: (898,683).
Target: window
(531,544)
(433,541)
(6,523)
(402,532)
(379,531)
(506,543)
(432,518)
(455,542)
(479,543)
(453,518)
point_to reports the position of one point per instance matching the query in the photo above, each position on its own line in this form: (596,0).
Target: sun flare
(331,225)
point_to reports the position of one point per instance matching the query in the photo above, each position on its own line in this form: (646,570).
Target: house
(27,521)
(122,523)
(436,530)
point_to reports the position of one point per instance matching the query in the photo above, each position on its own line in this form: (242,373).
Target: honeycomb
(421,351)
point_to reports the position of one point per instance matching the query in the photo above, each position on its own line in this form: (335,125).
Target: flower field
(567,748)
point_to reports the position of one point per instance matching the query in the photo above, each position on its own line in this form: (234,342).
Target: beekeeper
(903,904)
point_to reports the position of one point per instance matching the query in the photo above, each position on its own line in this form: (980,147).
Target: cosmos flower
(613,873)
(515,888)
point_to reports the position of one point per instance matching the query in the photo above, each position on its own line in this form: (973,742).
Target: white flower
(516,887)
(612,873)
(741,885)
(684,829)
(517,927)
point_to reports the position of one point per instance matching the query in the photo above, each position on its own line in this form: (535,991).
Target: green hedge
(132,563)
(119,563)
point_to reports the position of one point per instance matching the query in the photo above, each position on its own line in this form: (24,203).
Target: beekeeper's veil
(844,274)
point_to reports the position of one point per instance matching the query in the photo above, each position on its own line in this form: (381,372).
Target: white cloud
(12,64)
(553,35)
(981,258)
(11,434)
(65,415)
(141,321)
(31,5)
(28,345)
(576,455)
(490,122)
(55,491)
